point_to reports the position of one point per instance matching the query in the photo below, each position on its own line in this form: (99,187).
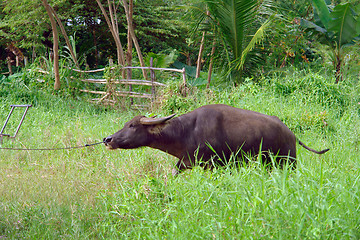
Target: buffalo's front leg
(183,164)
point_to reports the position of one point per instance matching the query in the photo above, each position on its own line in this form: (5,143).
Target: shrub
(313,87)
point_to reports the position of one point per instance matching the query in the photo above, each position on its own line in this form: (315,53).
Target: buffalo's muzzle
(107,140)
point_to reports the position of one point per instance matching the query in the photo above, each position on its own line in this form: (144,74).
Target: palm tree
(241,25)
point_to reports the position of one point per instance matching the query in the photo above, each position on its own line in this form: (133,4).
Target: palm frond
(233,18)
(256,39)
(196,16)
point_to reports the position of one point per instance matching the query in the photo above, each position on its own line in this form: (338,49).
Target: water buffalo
(211,132)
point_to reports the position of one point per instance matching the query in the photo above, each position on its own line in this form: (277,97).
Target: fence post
(184,76)
(128,77)
(152,77)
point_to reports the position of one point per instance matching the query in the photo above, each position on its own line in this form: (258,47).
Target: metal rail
(2,134)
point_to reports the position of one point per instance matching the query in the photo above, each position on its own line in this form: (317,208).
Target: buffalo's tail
(312,150)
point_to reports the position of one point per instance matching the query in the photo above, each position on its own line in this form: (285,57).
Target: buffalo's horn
(154,121)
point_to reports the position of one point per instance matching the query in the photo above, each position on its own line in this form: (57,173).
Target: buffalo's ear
(154,121)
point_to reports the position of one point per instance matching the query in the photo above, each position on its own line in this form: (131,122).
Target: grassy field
(93,193)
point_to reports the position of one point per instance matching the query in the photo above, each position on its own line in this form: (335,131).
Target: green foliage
(39,77)
(337,29)
(19,23)
(316,88)
(157,26)
(161,60)
(172,99)
(340,26)
(344,23)
(239,32)
(287,44)
(322,12)
(27,25)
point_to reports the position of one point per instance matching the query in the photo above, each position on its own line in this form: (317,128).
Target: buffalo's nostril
(107,139)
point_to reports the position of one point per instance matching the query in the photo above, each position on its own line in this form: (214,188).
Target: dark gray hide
(226,129)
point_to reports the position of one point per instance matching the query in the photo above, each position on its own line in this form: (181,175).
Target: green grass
(93,193)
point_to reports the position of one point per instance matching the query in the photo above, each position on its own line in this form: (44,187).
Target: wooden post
(183,87)
(152,77)
(128,77)
(129,54)
(184,76)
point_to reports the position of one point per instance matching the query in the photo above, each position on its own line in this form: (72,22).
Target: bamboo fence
(107,97)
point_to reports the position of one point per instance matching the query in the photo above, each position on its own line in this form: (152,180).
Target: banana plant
(338,28)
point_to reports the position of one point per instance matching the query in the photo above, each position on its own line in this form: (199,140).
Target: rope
(49,149)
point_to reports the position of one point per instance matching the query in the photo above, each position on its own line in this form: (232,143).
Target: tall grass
(93,193)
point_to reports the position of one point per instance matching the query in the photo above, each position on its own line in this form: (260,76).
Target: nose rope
(49,149)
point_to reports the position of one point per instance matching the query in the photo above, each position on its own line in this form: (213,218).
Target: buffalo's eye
(131,125)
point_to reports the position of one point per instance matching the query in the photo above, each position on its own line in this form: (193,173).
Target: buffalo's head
(135,133)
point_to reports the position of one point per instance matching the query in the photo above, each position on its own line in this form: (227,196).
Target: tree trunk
(129,51)
(338,73)
(211,63)
(113,18)
(95,46)
(198,65)
(120,51)
(129,38)
(66,37)
(55,44)
(132,33)
(8,59)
